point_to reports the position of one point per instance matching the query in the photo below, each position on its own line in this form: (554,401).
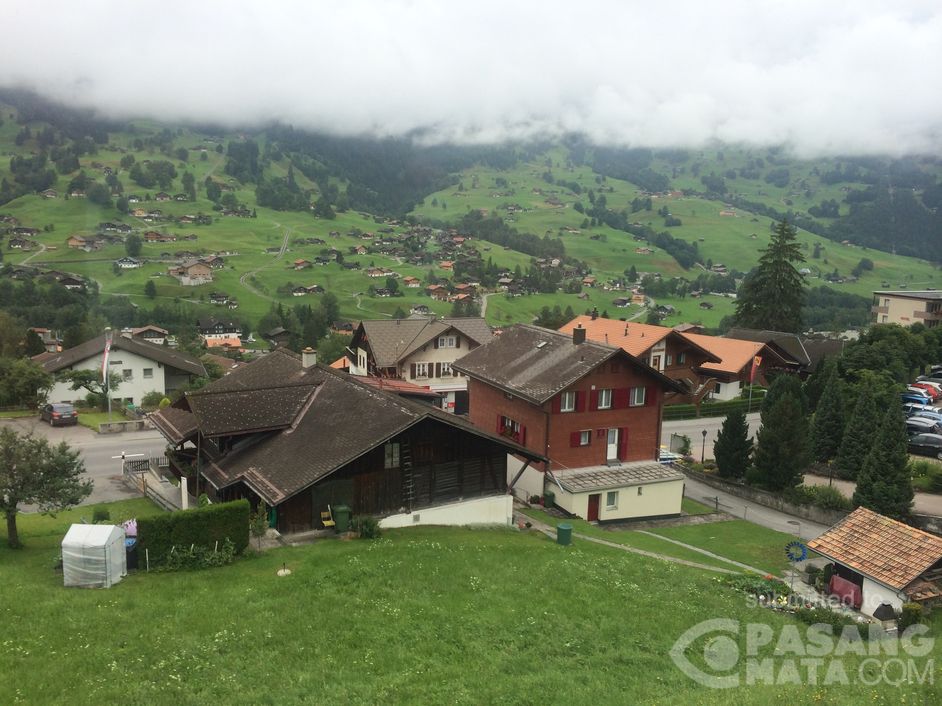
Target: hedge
(202,527)
(713,409)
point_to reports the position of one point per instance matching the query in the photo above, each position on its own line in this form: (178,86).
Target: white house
(140,366)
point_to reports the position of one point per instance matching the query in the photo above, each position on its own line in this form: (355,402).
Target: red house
(579,403)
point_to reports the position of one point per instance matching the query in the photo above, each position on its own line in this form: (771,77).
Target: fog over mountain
(823,78)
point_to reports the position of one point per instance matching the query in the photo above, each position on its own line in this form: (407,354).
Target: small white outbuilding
(93,556)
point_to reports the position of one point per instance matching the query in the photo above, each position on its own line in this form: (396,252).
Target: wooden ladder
(408,481)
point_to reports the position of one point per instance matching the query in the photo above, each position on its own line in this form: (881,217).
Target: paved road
(753,512)
(923,504)
(97,451)
(694,428)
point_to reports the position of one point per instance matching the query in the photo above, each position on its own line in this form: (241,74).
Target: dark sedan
(59,414)
(926,445)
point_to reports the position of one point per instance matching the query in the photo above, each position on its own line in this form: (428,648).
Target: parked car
(929,390)
(926,445)
(911,409)
(935,385)
(59,414)
(922,398)
(921,425)
(925,414)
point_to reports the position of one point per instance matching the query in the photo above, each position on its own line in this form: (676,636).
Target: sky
(821,78)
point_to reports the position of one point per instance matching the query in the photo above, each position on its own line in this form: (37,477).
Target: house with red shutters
(593,410)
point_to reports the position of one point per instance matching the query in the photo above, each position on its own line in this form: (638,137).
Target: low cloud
(823,78)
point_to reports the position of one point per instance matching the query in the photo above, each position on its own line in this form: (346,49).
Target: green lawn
(424,615)
(17,413)
(692,507)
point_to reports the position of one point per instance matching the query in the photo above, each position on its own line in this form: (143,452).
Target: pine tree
(821,377)
(733,446)
(785,383)
(827,426)
(858,434)
(782,444)
(884,483)
(772,295)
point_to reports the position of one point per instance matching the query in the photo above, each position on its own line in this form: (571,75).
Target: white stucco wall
(531,482)
(119,360)
(431,355)
(655,500)
(874,594)
(728,391)
(493,510)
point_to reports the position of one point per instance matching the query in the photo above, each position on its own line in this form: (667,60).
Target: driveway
(97,451)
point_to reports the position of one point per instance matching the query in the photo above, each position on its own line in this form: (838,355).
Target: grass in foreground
(423,615)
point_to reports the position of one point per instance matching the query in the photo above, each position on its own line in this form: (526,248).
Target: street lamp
(703,446)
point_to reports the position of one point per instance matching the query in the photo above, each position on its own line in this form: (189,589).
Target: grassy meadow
(423,615)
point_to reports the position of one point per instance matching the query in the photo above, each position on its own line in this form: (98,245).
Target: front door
(593,514)
(611,446)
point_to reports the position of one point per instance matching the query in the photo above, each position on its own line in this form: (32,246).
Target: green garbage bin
(342,517)
(564,534)
(549,498)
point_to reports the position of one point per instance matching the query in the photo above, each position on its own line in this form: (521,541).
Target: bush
(194,557)
(366,526)
(823,496)
(101,514)
(826,616)
(204,527)
(758,585)
(534,499)
(911,614)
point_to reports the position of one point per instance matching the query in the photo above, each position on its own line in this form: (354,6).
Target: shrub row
(200,527)
(714,409)
(824,496)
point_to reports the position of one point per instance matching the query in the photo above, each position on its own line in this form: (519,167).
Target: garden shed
(93,556)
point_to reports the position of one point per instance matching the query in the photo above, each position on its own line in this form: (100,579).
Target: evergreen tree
(858,434)
(782,444)
(884,483)
(782,384)
(772,295)
(819,379)
(150,289)
(827,426)
(733,446)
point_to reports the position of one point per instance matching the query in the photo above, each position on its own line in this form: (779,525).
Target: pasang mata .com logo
(724,653)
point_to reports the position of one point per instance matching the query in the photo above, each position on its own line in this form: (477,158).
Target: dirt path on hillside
(251,273)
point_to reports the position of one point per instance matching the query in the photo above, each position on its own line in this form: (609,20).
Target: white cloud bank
(823,77)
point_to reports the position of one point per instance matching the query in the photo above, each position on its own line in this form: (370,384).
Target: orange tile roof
(631,337)
(885,550)
(341,363)
(234,342)
(733,353)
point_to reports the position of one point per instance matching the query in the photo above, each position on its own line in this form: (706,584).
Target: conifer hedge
(202,527)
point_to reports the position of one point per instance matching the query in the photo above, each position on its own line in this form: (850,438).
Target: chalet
(622,302)
(878,561)
(72,283)
(51,342)
(141,367)
(358,250)
(180,197)
(420,309)
(740,363)
(505,282)
(383,292)
(299,291)
(161,196)
(128,263)
(419,350)
(75,242)
(589,281)
(664,349)
(139,212)
(315,438)
(593,410)
(150,333)
(345,327)
(192,273)
(20,244)
(25,232)
(321,260)
(446,264)
(301,264)
(218,298)
(411,282)
(218,329)
(375,272)
(50,194)
(278,336)
(214,261)
(438,293)
(187,219)
(77,193)
(152,236)
(706,305)
(134,198)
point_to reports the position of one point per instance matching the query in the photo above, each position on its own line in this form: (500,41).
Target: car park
(912,408)
(926,445)
(921,425)
(935,385)
(925,414)
(921,398)
(927,388)
(59,414)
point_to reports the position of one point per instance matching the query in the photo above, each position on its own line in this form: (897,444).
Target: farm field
(423,615)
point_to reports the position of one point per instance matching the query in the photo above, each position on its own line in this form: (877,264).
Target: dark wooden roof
(535,363)
(393,340)
(788,343)
(161,354)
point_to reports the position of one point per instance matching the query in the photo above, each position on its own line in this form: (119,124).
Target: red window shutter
(557,403)
(523,435)
(622,444)
(650,396)
(412,371)
(436,342)
(500,423)
(620,397)
(438,370)
(580,401)
(593,399)
(601,433)
(574,438)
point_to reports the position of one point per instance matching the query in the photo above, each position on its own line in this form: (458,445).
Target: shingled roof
(536,363)
(318,421)
(96,346)
(393,340)
(632,337)
(788,343)
(880,548)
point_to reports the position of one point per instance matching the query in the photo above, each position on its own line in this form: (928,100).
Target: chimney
(595,313)
(578,335)
(308,358)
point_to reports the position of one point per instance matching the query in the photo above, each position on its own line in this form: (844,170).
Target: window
(637,397)
(611,499)
(656,362)
(445,370)
(605,399)
(717,388)
(148,373)
(885,317)
(447,341)
(584,437)
(567,402)
(421,370)
(392,455)
(681,358)
(510,428)
(640,488)
(668,360)
(127,374)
